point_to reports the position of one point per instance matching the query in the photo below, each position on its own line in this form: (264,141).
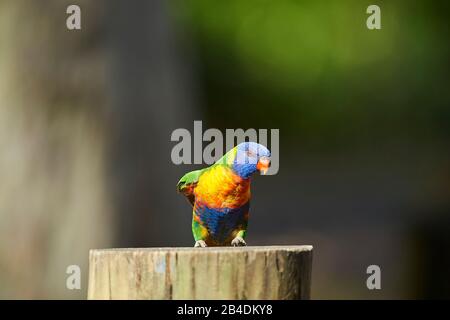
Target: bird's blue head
(251,157)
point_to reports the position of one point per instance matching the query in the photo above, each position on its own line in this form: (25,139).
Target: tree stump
(267,272)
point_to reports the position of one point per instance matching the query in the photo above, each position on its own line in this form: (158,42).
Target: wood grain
(266,272)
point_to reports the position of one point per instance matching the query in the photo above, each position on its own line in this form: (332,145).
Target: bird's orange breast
(220,187)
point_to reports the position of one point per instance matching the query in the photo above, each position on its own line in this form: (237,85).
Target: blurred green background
(315,70)
(364,119)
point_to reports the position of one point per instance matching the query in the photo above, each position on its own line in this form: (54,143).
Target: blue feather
(222,223)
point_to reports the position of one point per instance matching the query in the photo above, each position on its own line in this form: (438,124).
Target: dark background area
(364,118)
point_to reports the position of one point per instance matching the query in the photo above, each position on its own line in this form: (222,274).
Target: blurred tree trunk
(53,201)
(85,118)
(149,82)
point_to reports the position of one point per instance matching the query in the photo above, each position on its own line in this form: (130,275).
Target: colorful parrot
(220,195)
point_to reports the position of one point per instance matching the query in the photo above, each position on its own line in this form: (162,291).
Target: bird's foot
(238,242)
(200,244)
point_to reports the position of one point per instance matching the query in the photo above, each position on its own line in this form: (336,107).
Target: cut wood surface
(266,272)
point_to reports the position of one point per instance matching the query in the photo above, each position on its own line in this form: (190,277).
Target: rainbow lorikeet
(220,195)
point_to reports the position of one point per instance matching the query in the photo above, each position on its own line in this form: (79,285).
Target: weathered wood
(269,272)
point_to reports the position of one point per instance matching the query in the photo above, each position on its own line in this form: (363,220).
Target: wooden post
(269,272)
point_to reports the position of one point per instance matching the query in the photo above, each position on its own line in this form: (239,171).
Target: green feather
(187,184)
(227,158)
(189,179)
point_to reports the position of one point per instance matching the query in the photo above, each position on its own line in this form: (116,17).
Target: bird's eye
(250,154)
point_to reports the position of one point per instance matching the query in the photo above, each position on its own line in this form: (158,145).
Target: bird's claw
(238,242)
(200,244)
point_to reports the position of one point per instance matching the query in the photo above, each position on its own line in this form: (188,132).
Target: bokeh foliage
(313,69)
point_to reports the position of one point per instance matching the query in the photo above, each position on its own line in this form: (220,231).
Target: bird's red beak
(263,165)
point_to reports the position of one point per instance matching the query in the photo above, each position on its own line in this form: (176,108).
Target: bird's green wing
(187,184)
